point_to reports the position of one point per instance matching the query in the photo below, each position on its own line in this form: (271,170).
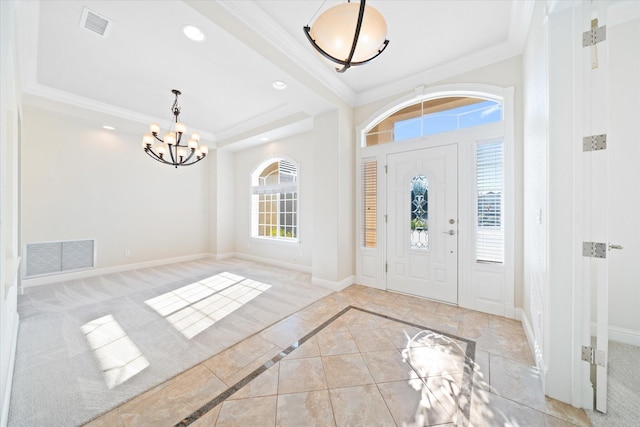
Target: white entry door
(422,223)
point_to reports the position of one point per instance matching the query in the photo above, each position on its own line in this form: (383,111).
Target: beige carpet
(86,346)
(623,391)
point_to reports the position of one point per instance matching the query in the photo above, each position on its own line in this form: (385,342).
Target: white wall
(333,199)
(9,206)
(624,197)
(297,255)
(222,198)
(81,181)
(535,112)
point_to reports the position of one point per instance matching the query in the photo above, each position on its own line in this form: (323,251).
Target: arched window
(433,116)
(275,200)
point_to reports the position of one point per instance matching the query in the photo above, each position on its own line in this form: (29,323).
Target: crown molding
(256,122)
(453,68)
(37,91)
(260,22)
(285,127)
(27,29)
(519,21)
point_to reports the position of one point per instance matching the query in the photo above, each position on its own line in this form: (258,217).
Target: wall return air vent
(95,23)
(46,258)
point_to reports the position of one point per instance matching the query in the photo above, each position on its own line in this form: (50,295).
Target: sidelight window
(489,202)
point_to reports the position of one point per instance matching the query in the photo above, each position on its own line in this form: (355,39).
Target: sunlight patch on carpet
(193,308)
(117,355)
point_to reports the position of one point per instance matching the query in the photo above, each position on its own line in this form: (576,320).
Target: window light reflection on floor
(193,308)
(119,358)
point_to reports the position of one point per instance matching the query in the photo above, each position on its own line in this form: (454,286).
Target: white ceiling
(226,80)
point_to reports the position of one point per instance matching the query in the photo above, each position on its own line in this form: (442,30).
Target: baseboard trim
(621,335)
(276,263)
(12,361)
(511,312)
(334,286)
(222,256)
(533,343)
(38,281)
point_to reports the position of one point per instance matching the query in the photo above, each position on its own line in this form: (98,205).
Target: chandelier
(349,34)
(168,149)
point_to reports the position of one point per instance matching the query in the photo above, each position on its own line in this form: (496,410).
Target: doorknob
(450,232)
(614,246)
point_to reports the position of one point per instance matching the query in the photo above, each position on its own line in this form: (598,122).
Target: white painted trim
(531,339)
(40,96)
(226,255)
(509,200)
(264,25)
(519,22)
(12,361)
(467,63)
(276,263)
(334,286)
(505,129)
(511,312)
(108,270)
(519,315)
(621,335)
(421,93)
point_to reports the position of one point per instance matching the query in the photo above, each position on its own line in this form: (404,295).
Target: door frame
(472,293)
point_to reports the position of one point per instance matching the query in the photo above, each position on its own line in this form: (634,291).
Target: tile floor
(347,360)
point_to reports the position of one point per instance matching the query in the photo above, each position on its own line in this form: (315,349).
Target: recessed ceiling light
(193,33)
(107,127)
(279,84)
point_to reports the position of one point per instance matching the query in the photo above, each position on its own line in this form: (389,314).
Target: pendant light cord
(314,15)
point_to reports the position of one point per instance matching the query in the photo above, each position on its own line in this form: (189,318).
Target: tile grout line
(467,379)
(467,386)
(231,390)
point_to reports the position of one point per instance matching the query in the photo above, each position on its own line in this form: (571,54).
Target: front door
(422,223)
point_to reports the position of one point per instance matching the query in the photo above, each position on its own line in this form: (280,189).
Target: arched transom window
(275,200)
(434,116)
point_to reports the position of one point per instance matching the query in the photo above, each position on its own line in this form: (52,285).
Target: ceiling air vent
(95,23)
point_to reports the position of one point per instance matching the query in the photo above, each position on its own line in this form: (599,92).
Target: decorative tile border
(465,393)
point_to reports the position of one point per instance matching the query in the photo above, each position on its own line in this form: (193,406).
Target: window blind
(489,197)
(369,202)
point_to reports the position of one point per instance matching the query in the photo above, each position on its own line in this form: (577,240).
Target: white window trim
(253,234)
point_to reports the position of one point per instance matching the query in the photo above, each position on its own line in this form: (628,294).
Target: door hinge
(385,169)
(593,356)
(594,249)
(595,35)
(594,142)
(385,218)
(386,267)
